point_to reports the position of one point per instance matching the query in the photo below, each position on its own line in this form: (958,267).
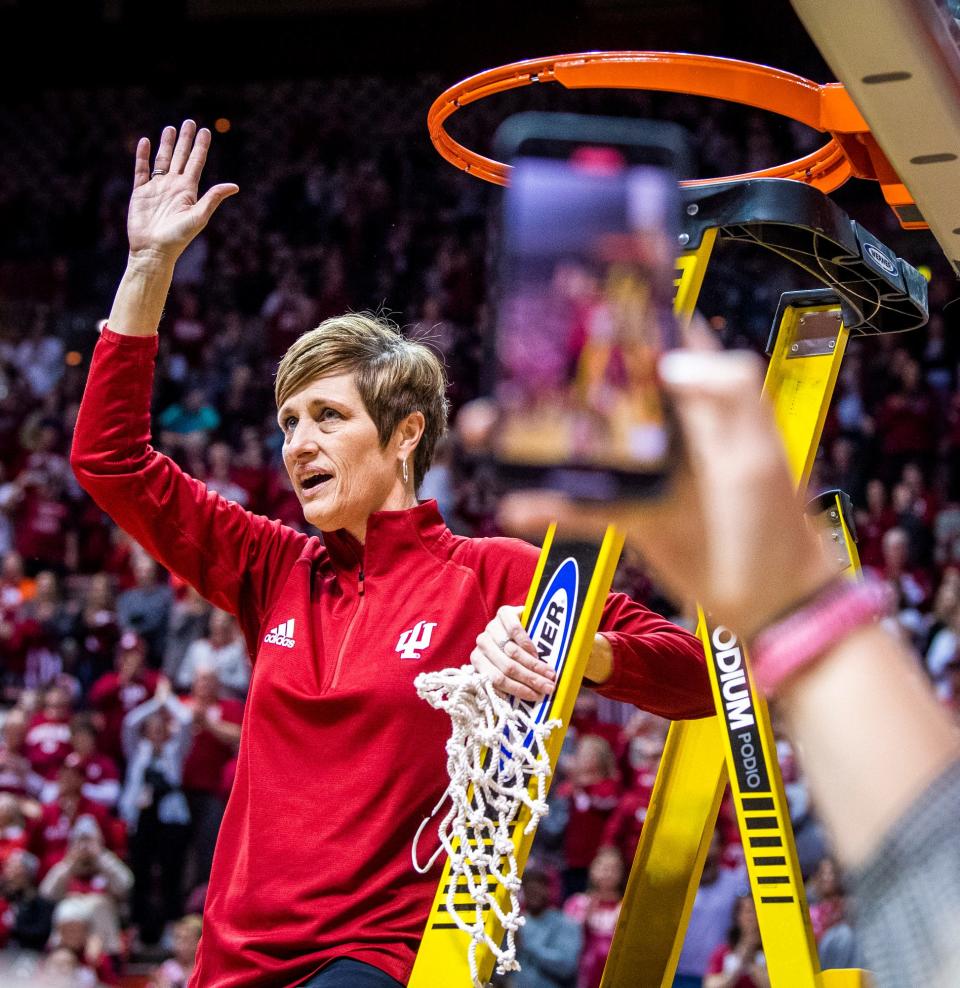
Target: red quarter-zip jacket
(339,759)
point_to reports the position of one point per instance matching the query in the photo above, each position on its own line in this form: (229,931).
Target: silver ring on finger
(158,171)
(503,645)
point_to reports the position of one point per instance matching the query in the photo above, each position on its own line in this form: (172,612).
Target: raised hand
(163,690)
(166,212)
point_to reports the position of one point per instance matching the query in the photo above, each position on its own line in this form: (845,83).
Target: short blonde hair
(600,749)
(192,924)
(394,376)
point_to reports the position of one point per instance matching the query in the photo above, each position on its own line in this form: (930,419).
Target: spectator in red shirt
(911,585)
(31,652)
(925,504)
(95,878)
(188,329)
(841,469)
(622,830)
(873,523)
(220,477)
(15,586)
(907,421)
(52,834)
(93,536)
(908,510)
(286,310)
(14,835)
(586,720)
(593,793)
(118,563)
(826,896)
(102,780)
(47,742)
(96,631)
(45,461)
(16,774)
(115,694)
(175,971)
(597,911)
(216,738)
(43,535)
(251,471)
(49,609)
(64,966)
(646,734)
(740,962)
(644,737)
(77,954)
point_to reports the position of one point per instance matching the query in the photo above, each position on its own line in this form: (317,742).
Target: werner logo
(551,630)
(281,635)
(880,259)
(553,620)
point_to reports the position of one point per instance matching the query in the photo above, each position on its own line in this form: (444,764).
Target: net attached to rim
(498,766)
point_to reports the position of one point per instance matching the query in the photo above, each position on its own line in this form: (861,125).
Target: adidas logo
(282,634)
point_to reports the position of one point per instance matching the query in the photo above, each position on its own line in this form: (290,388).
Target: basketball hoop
(851,152)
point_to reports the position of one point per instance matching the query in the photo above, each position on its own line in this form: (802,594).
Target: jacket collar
(391,535)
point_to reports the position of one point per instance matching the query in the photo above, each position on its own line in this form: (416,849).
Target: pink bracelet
(785,647)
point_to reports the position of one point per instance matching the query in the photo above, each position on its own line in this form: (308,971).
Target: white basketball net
(486,793)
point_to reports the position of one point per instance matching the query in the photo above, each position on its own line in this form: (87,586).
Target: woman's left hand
(505,653)
(166,209)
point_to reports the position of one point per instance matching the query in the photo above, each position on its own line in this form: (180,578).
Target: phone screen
(586,309)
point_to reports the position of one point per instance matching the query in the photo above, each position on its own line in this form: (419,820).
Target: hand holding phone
(586,304)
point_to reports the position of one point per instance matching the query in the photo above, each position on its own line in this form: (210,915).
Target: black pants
(156,847)
(206,814)
(348,973)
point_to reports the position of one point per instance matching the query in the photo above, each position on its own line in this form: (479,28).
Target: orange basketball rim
(851,151)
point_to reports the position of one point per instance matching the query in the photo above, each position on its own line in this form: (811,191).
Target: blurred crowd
(122,691)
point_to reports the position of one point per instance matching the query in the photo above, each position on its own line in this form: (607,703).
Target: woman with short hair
(339,759)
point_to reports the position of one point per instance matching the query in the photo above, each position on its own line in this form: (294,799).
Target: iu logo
(417,638)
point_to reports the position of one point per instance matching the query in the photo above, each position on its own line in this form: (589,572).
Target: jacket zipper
(349,631)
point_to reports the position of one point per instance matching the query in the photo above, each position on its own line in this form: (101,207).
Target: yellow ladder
(737,746)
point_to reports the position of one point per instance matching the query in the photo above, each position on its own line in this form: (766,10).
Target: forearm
(661,670)
(871,734)
(141,295)
(106,792)
(600,661)
(119,876)
(226,732)
(144,710)
(130,728)
(54,885)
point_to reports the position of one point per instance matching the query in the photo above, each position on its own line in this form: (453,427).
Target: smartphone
(588,244)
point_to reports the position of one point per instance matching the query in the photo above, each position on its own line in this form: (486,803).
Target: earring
(406,474)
